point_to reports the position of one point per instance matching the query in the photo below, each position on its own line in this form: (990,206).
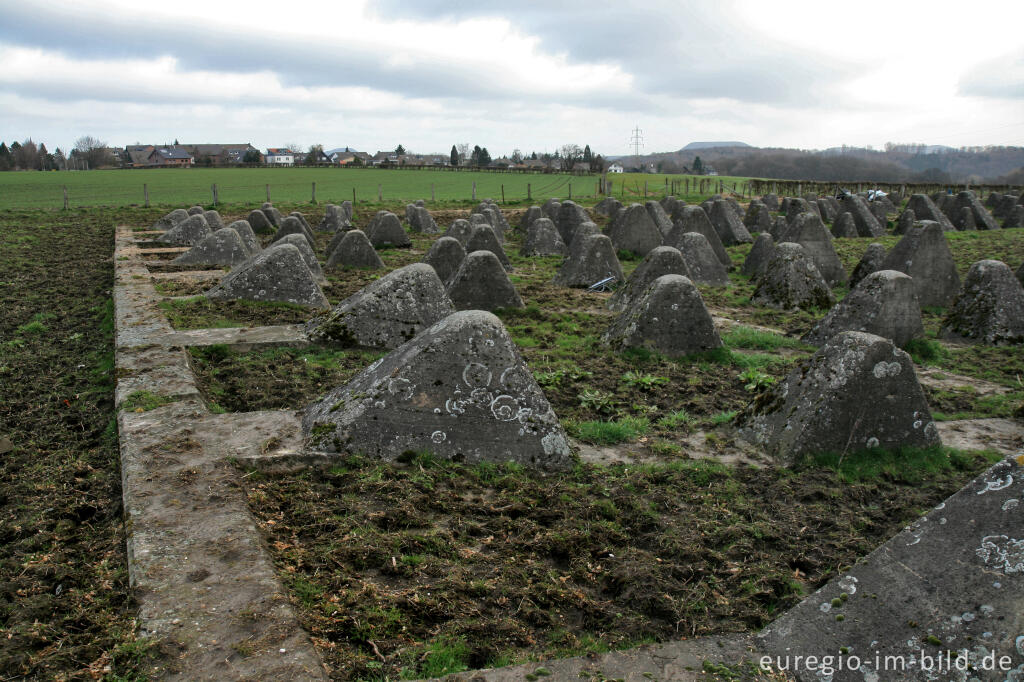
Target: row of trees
(89,152)
(28,156)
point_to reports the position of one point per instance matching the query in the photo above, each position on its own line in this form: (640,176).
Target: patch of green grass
(905,465)
(445,657)
(144,401)
(722,418)
(609,432)
(758,339)
(680,419)
(925,351)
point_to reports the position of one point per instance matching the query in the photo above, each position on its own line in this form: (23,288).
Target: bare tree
(570,154)
(93,151)
(463,153)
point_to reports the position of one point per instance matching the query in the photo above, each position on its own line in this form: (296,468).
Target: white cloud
(373,74)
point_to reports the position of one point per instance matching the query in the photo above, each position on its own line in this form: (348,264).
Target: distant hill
(711,145)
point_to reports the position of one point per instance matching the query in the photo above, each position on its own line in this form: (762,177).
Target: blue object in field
(604,285)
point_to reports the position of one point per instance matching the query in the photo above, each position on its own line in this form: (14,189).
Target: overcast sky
(506,75)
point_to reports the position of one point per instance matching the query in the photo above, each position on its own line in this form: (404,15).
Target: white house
(280,157)
(615,168)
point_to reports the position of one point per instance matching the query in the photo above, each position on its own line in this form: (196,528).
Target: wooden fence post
(645,189)
(314,194)
(65,197)
(432,196)
(529,195)
(353,196)
(503,194)
(268,192)
(213,190)
(570,191)
(145,193)
(380,192)
(474,190)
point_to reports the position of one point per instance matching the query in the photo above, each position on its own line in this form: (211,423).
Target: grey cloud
(94,36)
(687,49)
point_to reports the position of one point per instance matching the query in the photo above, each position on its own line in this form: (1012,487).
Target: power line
(637,140)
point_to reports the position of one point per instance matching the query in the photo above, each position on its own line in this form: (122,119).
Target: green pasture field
(174,187)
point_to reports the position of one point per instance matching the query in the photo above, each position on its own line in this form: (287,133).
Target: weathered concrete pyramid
(353,250)
(668,204)
(694,219)
(479,219)
(213,219)
(387,312)
(299,242)
(273,215)
(1015,218)
(760,253)
(634,230)
(965,219)
(857,392)
(195,210)
(884,304)
(259,223)
(727,224)
(779,227)
(663,260)
(531,214)
(670,318)
(292,225)
(792,281)
(660,217)
(1002,205)
(277,274)
(420,220)
(608,206)
(582,232)
(385,228)
(808,231)
(483,239)
(445,256)
(570,216)
(497,219)
(188,232)
(551,208)
(460,390)
(867,224)
(925,209)
(481,283)
(543,239)
(989,309)
(250,242)
(982,219)
(223,247)
(923,253)
(844,227)
(491,215)
(336,218)
(703,266)
(794,207)
(878,210)
(171,219)
(460,229)
(826,210)
(771,200)
(905,221)
(870,262)
(757,218)
(590,262)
